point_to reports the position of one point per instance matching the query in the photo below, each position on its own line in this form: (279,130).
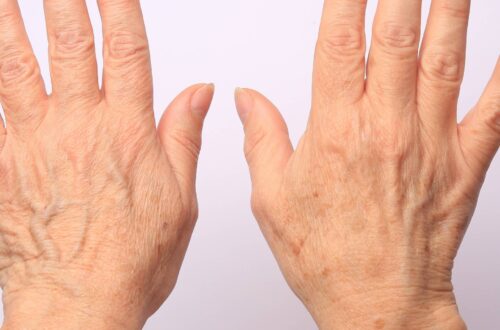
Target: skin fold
(97,205)
(366,215)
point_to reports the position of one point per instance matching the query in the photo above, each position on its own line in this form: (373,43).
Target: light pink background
(229,279)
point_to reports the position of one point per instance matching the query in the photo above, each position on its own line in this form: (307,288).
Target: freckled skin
(379,324)
(365,216)
(97,205)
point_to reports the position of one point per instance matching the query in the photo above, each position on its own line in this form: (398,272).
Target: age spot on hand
(379,324)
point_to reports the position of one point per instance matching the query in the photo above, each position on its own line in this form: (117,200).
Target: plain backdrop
(230,279)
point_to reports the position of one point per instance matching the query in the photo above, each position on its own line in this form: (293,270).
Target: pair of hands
(365,217)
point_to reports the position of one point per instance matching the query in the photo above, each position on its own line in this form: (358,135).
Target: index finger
(339,68)
(127,76)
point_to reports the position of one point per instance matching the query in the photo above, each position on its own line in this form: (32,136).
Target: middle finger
(72,54)
(392,64)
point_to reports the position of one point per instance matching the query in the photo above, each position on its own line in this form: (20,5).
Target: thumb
(480,130)
(267,144)
(180,133)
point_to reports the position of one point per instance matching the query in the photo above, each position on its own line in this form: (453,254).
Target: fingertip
(255,109)
(196,98)
(188,109)
(201,99)
(244,102)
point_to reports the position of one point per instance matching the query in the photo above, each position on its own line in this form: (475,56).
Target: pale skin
(366,215)
(97,205)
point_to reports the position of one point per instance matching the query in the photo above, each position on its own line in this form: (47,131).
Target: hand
(366,216)
(96,205)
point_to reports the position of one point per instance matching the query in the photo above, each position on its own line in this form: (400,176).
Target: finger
(480,129)
(21,85)
(180,132)
(442,61)
(392,64)
(127,70)
(72,54)
(339,68)
(267,144)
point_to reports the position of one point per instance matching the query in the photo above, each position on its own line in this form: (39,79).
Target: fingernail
(244,103)
(201,99)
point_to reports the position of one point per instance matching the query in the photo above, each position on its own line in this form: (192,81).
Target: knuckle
(398,38)
(9,17)
(442,67)
(260,205)
(194,212)
(341,41)
(185,216)
(391,151)
(344,83)
(126,46)
(386,88)
(455,9)
(73,44)
(190,144)
(389,144)
(17,68)
(253,143)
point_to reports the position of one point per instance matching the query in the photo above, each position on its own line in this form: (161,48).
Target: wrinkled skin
(366,216)
(97,206)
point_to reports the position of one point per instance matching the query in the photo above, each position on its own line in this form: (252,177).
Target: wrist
(390,310)
(53,309)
